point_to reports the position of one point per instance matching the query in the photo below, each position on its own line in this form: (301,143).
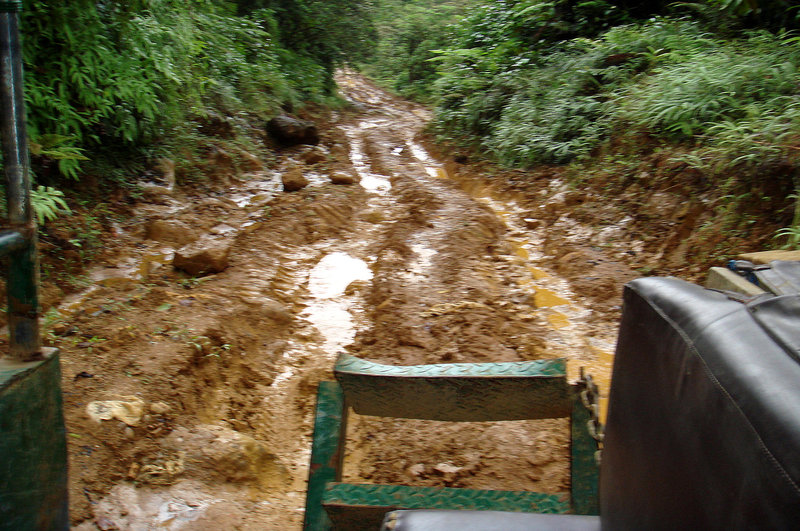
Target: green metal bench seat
(460,392)
(353,506)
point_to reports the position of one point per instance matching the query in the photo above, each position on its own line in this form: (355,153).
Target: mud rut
(412,266)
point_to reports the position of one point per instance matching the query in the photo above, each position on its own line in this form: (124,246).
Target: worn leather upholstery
(703,427)
(704,415)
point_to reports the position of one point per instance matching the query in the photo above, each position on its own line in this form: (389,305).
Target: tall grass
(666,78)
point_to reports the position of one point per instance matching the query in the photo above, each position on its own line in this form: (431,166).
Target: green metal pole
(23,268)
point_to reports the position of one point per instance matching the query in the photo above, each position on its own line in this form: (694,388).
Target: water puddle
(558,320)
(545,298)
(570,334)
(424,256)
(256,192)
(537,273)
(372,182)
(431,167)
(331,310)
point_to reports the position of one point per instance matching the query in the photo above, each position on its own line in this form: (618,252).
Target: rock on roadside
(293,180)
(341,177)
(205,256)
(229,455)
(170,231)
(315,155)
(290,131)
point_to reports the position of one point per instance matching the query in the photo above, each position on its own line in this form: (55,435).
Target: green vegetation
(531,82)
(113,86)
(128,80)
(410,32)
(132,73)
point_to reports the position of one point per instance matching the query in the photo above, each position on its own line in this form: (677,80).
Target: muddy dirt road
(207,384)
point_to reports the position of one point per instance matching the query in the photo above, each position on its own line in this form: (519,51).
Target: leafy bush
(121,75)
(665,77)
(130,71)
(552,105)
(47,203)
(730,82)
(409,32)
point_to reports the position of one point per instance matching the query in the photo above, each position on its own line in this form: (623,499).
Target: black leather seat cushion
(704,415)
(486,521)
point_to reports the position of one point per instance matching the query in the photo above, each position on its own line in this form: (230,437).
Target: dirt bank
(419,263)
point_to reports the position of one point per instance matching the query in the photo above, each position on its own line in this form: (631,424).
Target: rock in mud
(170,231)
(154,193)
(129,409)
(447,469)
(290,131)
(340,177)
(314,156)
(205,256)
(159,408)
(293,180)
(532,223)
(416,470)
(232,456)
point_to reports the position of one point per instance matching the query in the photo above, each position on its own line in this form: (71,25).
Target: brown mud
(422,262)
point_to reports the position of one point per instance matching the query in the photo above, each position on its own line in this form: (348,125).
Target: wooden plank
(327,451)
(467,392)
(362,507)
(765,257)
(724,279)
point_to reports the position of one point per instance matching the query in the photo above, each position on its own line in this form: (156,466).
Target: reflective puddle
(569,334)
(331,310)
(372,182)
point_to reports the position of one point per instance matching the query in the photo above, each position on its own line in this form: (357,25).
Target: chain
(590,397)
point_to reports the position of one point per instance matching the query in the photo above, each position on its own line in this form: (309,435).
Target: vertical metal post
(23,268)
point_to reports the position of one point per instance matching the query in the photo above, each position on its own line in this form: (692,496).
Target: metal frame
(450,393)
(18,243)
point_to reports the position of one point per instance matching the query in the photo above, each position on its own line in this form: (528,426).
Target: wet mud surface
(419,263)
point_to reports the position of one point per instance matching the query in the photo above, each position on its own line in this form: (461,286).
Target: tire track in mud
(439,295)
(407,268)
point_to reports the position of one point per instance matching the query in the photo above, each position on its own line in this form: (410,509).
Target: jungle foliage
(130,75)
(410,32)
(532,82)
(114,85)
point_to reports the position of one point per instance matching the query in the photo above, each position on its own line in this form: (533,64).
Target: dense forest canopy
(113,84)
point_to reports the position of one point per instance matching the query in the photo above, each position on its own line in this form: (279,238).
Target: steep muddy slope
(215,376)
